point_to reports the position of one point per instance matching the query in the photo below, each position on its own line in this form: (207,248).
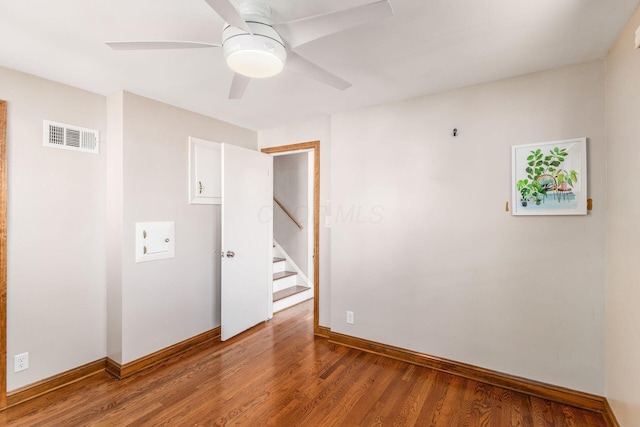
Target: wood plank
(278,373)
(322,331)
(609,417)
(61,380)
(3,254)
(133,367)
(535,388)
(283,274)
(287,292)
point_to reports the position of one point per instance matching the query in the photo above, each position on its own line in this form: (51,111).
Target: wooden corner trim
(609,416)
(53,383)
(546,391)
(292,147)
(112,367)
(3,254)
(153,359)
(322,332)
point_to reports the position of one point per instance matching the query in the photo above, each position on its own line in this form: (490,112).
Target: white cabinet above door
(204,172)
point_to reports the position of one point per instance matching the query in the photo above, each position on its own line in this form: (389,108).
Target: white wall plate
(155,240)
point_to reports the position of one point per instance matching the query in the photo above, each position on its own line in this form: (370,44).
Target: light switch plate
(155,240)
(638,38)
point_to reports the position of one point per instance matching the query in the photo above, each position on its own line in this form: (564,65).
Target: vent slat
(73,138)
(56,135)
(88,140)
(60,135)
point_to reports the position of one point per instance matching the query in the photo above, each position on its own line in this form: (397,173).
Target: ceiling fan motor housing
(258,55)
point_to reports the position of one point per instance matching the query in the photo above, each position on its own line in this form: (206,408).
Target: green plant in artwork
(537,192)
(535,164)
(544,174)
(554,159)
(539,164)
(524,190)
(566,179)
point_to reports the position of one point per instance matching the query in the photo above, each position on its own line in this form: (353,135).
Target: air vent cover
(71,137)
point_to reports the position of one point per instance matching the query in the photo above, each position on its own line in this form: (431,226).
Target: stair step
(283,274)
(285,282)
(277,296)
(279,265)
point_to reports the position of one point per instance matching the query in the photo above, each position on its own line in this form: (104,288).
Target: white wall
(623,233)
(291,188)
(314,130)
(114,219)
(424,252)
(56,231)
(425,255)
(168,301)
(58,228)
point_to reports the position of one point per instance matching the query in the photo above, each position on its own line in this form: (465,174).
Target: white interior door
(247,238)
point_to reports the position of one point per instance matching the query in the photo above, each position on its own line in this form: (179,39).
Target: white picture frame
(549,178)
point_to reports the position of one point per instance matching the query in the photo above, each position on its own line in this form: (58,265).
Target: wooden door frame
(3,254)
(315,146)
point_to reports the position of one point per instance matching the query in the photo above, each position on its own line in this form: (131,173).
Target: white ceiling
(428,46)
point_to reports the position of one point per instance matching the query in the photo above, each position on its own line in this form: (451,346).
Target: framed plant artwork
(550,178)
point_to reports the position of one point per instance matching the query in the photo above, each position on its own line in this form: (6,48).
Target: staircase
(290,286)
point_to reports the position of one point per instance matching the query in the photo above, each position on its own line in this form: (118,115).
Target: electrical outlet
(350,319)
(20,362)
(328,221)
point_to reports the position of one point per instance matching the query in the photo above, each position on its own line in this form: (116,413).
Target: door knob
(230,254)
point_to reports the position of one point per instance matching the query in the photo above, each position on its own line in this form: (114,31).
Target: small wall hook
(454,132)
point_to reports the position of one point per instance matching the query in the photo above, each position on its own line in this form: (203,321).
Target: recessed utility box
(155,240)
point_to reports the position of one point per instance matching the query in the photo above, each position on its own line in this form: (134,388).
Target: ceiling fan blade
(158,44)
(238,86)
(300,65)
(304,30)
(229,13)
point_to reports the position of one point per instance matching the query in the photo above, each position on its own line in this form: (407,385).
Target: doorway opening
(311,258)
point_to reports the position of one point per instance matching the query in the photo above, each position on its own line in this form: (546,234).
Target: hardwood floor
(278,374)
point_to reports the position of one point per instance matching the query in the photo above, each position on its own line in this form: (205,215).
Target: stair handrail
(287,212)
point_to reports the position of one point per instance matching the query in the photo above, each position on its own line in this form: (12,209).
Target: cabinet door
(204,172)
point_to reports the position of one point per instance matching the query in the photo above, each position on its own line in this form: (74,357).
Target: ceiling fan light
(258,55)
(254,63)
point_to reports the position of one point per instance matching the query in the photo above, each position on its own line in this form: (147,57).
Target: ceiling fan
(256,47)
